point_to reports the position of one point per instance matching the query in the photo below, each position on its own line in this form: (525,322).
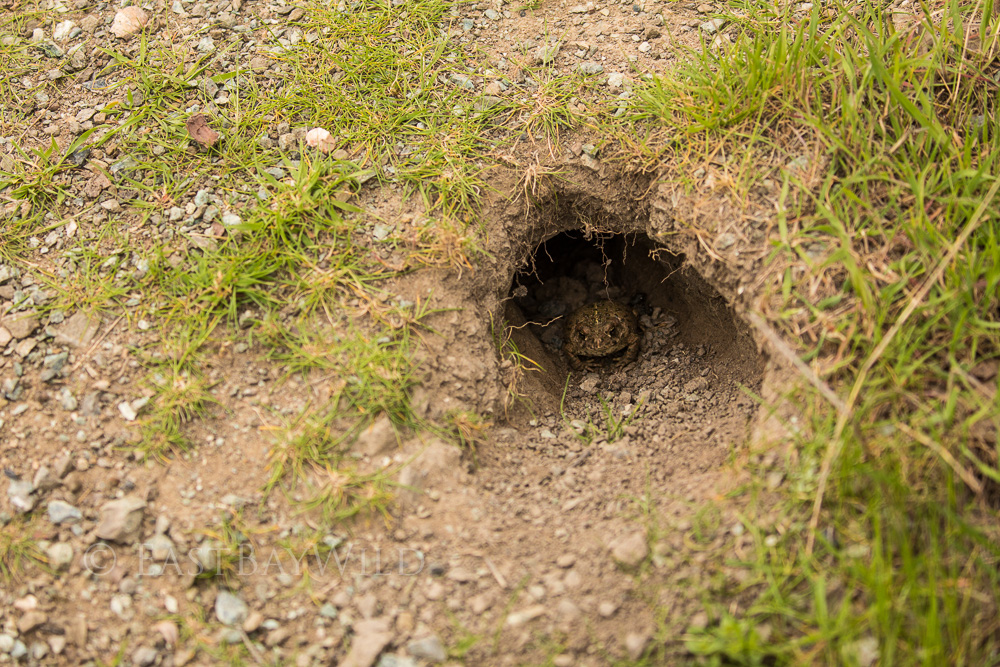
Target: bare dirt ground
(577,533)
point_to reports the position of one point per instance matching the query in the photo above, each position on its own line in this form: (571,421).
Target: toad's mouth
(604,357)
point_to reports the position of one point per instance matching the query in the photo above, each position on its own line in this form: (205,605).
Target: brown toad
(600,331)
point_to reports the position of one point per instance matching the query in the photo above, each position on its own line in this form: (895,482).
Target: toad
(601,331)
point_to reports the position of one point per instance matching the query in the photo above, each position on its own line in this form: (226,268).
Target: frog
(601,331)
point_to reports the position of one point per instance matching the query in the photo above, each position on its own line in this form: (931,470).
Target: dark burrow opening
(682,322)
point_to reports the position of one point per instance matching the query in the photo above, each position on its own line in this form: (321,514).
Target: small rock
(546,53)
(616,80)
(128,21)
(144,656)
(207,556)
(711,26)
(127,411)
(20,325)
(19,650)
(62,30)
(230,609)
(57,643)
(160,547)
(379,438)
(6,643)
(168,630)
(62,512)
(121,520)
(429,648)
(636,643)
(31,620)
(590,69)
(607,609)
(121,606)
(590,162)
(78,331)
(60,555)
(27,603)
(462,81)
(370,637)
(519,618)
(698,622)
(631,550)
(253,622)
(19,493)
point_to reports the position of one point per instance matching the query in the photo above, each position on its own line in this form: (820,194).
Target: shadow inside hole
(674,303)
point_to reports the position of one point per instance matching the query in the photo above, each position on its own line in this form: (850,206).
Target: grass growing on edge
(17,550)
(882,146)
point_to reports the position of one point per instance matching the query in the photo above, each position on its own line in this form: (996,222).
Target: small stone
(184,656)
(128,21)
(616,80)
(62,512)
(19,493)
(230,609)
(711,26)
(207,556)
(566,560)
(121,520)
(253,622)
(631,550)
(27,603)
(607,609)
(77,331)
(168,630)
(62,30)
(492,15)
(636,643)
(698,622)
(705,9)
(590,163)
(144,656)
(121,606)
(127,411)
(31,620)
(160,547)
(429,648)
(546,53)
(57,643)
(60,555)
(6,643)
(278,636)
(19,650)
(590,69)
(462,81)
(370,637)
(519,618)
(20,325)
(76,631)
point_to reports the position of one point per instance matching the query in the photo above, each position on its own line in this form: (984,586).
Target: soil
(567,537)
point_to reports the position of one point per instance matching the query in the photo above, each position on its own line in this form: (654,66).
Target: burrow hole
(697,363)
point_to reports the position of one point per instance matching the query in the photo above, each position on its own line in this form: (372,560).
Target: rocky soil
(575,535)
